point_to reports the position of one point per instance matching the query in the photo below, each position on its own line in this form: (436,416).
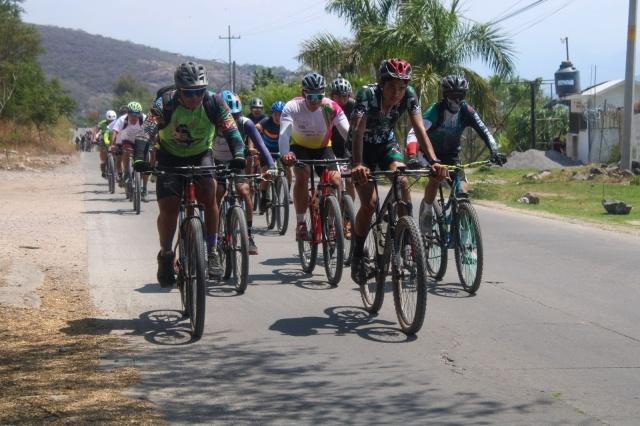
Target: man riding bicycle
(445,121)
(186,119)
(269,129)
(123,135)
(104,138)
(305,134)
(341,92)
(378,109)
(222,155)
(255,110)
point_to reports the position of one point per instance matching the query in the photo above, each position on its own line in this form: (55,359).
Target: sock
(300,217)
(212,240)
(249,226)
(358,249)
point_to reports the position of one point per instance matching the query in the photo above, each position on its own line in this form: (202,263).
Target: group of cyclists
(190,125)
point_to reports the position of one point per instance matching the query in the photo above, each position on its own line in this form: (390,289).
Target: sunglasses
(193,93)
(314,97)
(455,98)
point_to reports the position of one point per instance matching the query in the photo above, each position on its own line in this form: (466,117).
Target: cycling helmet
(111,115)
(313,81)
(395,69)
(256,103)
(123,110)
(190,75)
(232,100)
(277,106)
(340,86)
(134,107)
(454,84)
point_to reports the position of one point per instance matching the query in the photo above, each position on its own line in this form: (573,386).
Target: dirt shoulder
(49,369)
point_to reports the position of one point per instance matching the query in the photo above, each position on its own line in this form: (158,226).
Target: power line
(543,18)
(518,12)
(504,12)
(291,17)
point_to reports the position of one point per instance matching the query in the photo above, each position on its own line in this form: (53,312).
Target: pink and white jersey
(299,126)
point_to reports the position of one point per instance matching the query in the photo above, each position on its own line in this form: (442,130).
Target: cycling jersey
(257,119)
(445,129)
(247,129)
(126,132)
(190,132)
(105,133)
(339,144)
(379,127)
(299,126)
(270,132)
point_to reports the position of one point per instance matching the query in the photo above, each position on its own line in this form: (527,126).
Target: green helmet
(134,107)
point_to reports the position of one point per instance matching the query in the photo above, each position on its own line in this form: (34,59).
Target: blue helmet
(232,100)
(277,106)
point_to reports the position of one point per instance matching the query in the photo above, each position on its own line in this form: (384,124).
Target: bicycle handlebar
(185,170)
(303,162)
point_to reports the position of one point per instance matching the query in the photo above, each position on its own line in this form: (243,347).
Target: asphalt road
(552,336)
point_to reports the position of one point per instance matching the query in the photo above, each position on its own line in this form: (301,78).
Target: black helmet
(454,84)
(256,103)
(313,81)
(123,110)
(190,75)
(340,86)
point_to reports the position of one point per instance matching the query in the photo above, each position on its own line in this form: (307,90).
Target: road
(551,337)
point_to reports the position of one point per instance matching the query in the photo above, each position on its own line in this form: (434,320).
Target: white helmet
(111,115)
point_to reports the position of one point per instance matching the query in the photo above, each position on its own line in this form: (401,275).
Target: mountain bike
(277,212)
(324,224)
(455,226)
(233,236)
(394,242)
(190,247)
(348,209)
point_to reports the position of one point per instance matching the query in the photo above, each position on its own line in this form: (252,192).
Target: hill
(88,65)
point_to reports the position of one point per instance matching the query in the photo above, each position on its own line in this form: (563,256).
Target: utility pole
(230,37)
(534,87)
(565,40)
(629,86)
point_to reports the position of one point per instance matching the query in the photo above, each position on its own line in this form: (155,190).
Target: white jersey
(128,133)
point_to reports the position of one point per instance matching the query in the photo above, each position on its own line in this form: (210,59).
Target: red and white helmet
(395,68)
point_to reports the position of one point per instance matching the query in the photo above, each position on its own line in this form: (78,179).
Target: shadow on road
(160,327)
(121,212)
(342,320)
(452,290)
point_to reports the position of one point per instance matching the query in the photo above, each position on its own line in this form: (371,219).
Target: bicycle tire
(332,242)
(111,174)
(282,205)
(271,211)
(348,225)
(468,237)
(372,291)
(308,249)
(410,300)
(239,249)
(256,197)
(137,192)
(435,248)
(223,242)
(196,275)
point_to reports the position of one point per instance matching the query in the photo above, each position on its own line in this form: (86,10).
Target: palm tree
(434,38)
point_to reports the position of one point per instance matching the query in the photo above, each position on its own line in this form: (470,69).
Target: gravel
(536,159)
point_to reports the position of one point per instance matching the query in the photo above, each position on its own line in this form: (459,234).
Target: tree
(127,88)
(263,77)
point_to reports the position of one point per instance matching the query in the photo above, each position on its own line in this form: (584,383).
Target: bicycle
(395,242)
(277,211)
(233,236)
(190,247)
(456,227)
(348,209)
(324,224)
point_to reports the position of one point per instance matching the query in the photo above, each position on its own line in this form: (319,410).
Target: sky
(271,32)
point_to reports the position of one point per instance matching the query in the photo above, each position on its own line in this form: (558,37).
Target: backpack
(169,100)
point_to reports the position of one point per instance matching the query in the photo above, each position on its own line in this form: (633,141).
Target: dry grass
(26,138)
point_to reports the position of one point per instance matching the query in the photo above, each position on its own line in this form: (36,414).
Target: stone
(529,198)
(616,207)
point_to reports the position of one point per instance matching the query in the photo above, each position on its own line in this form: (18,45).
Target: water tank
(567,79)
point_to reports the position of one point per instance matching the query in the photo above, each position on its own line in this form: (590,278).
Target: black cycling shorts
(172,185)
(381,155)
(325,153)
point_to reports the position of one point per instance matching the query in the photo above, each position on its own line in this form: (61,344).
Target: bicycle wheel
(376,267)
(307,248)
(111,174)
(348,224)
(271,210)
(239,249)
(468,247)
(282,204)
(196,275)
(224,242)
(435,247)
(137,191)
(409,276)
(332,240)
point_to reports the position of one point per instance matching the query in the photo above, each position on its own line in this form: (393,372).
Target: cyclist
(222,154)
(255,110)
(445,121)
(341,92)
(305,133)
(104,138)
(269,128)
(378,109)
(185,119)
(123,135)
